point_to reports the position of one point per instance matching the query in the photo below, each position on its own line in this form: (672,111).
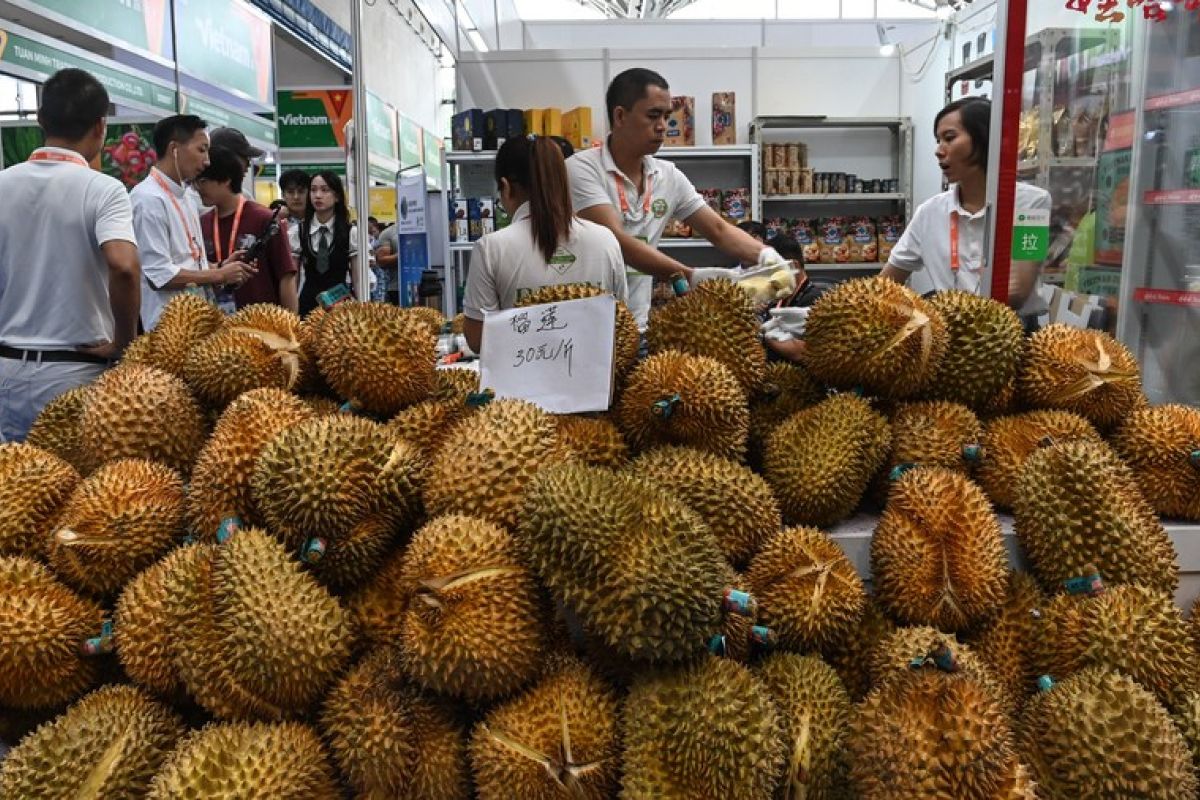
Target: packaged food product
(1027,135)
(459,229)
(864,244)
(834,241)
(889,229)
(677,229)
(804,231)
(771,182)
(778,156)
(735,203)
(806,181)
(577,127)
(681,123)
(712,197)
(467,130)
(487,215)
(793,156)
(724,118)
(552,124)
(785,182)
(776,226)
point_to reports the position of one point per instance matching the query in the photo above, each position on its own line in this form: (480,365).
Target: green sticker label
(562,261)
(1031,235)
(659,207)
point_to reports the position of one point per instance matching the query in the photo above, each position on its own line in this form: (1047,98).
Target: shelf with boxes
(479,131)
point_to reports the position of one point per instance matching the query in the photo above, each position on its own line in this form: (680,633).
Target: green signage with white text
(143,25)
(381,128)
(226,43)
(218,116)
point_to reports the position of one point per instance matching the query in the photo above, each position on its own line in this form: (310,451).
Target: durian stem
(1195,458)
(665,407)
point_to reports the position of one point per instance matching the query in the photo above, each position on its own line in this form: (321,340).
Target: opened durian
(1162,446)
(1008,441)
(984,353)
(34,485)
(237,359)
(56,429)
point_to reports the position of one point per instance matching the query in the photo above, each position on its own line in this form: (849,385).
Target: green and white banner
(226,43)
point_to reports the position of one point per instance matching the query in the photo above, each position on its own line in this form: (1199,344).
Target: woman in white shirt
(545,245)
(328,240)
(942,248)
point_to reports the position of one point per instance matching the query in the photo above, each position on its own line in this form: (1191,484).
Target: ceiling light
(886,46)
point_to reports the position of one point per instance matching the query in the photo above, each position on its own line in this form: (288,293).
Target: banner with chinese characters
(1114,10)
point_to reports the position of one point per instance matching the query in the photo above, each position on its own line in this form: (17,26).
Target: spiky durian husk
(627,341)
(119,521)
(236,360)
(56,429)
(930,434)
(1085,371)
(34,485)
(428,424)
(1008,441)
(807,590)
(1187,720)
(821,460)
(1005,644)
(938,556)
(1162,446)
(473,625)
(851,655)
(785,389)
(735,503)
(1077,505)
(186,321)
(390,741)
(986,342)
(1099,729)
(109,744)
(673,398)
(591,440)
(715,319)
(875,334)
(233,761)
(558,739)
(428,316)
(378,606)
(43,625)
(707,730)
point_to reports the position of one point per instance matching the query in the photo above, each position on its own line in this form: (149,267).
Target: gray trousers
(27,385)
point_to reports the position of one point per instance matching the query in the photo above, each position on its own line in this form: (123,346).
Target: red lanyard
(625,209)
(64,158)
(237,222)
(954,241)
(187,229)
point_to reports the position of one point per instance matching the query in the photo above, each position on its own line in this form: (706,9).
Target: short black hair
(72,102)
(788,247)
(294,179)
(754,228)
(277,204)
(373,219)
(179,128)
(976,116)
(629,87)
(224,165)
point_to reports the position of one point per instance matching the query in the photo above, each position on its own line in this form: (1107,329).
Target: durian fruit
(34,484)
(238,761)
(56,429)
(144,631)
(473,626)
(1101,733)
(379,605)
(816,712)
(627,341)
(485,466)
(1187,720)
(987,341)
(255,636)
(1134,629)
(43,627)
(1003,404)
(428,424)
(1008,441)
(185,322)
(822,459)
(931,434)
(807,590)
(1077,505)
(1085,371)
(139,351)
(592,440)
(376,356)
(1005,644)
(141,412)
(109,744)
(221,481)
(930,733)
(340,483)
(458,323)
(715,319)
(390,741)
(119,521)
(1162,446)
(324,406)
(557,740)
(703,732)
(875,334)
(895,654)
(673,398)
(640,571)
(851,655)
(735,503)
(938,556)
(454,385)
(430,317)
(785,389)
(237,359)
(311,382)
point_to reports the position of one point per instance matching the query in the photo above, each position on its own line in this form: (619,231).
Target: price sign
(558,355)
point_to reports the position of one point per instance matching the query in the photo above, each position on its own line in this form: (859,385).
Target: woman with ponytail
(545,245)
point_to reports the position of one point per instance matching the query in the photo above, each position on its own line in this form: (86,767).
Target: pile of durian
(267,557)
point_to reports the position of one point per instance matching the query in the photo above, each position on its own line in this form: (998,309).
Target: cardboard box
(577,127)
(487,215)
(535,120)
(467,130)
(552,123)
(1077,310)
(724,118)
(516,123)
(681,124)
(459,227)
(495,128)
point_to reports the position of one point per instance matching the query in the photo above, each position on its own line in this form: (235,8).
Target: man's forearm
(125,299)
(648,260)
(194,277)
(736,243)
(288,296)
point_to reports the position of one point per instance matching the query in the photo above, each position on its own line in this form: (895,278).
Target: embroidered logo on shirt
(659,208)
(562,261)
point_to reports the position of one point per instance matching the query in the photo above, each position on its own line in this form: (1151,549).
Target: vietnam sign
(313,118)
(227,44)
(381,129)
(411,151)
(219,116)
(143,25)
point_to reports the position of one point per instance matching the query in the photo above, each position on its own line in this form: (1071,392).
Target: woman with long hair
(545,245)
(328,240)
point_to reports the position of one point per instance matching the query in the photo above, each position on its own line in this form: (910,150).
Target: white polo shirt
(669,195)
(507,265)
(169,240)
(53,277)
(924,248)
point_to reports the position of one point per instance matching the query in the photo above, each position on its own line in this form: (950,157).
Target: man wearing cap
(235,141)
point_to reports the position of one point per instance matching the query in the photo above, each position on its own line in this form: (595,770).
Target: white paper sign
(558,355)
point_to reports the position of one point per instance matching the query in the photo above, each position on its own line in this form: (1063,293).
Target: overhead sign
(412,152)
(381,128)
(140,25)
(558,355)
(217,116)
(313,118)
(226,43)
(433,160)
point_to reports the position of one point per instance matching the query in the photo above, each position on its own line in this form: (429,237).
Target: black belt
(51,356)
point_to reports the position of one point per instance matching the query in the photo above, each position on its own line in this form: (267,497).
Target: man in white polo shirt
(624,188)
(68,262)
